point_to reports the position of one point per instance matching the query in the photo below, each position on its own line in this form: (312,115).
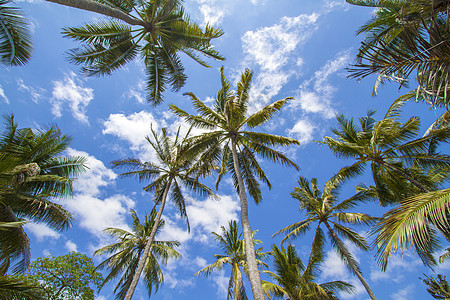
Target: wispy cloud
(41,231)
(315,95)
(70,91)
(3,96)
(404,294)
(36,93)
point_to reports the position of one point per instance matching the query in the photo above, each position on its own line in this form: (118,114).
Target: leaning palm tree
(295,281)
(403,164)
(32,175)
(230,133)
(178,163)
(15,37)
(403,37)
(128,250)
(158,31)
(323,208)
(232,245)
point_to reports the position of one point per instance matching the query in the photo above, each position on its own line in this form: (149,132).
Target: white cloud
(95,214)
(303,131)
(272,50)
(133,129)
(404,294)
(71,92)
(41,231)
(71,246)
(96,176)
(35,93)
(315,95)
(3,96)
(209,215)
(137,92)
(204,217)
(269,47)
(397,268)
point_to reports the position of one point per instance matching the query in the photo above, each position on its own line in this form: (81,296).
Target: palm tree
(15,38)
(232,245)
(32,174)
(128,250)
(158,31)
(18,288)
(322,208)
(178,163)
(412,224)
(230,134)
(402,163)
(406,36)
(295,281)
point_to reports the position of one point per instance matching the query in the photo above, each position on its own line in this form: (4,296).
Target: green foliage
(127,251)
(227,121)
(32,174)
(164,32)
(20,288)
(403,164)
(15,37)
(178,163)
(233,247)
(438,287)
(412,224)
(403,37)
(68,277)
(295,281)
(322,207)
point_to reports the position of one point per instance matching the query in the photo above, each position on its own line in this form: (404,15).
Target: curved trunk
(253,272)
(352,265)
(102,9)
(148,245)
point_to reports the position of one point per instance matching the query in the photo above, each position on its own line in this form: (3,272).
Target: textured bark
(102,9)
(253,272)
(148,245)
(352,265)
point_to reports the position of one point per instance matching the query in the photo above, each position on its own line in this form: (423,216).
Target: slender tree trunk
(102,9)
(148,245)
(406,176)
(352,265)
(253,272)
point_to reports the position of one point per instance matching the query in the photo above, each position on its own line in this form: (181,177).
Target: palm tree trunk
(352,265)
(148,245)
(253,272)
(102,9)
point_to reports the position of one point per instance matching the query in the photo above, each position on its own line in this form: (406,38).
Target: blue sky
(295,48)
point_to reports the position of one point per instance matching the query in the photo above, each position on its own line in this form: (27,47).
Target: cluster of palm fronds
(32,176)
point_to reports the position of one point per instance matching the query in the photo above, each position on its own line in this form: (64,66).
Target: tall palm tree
(406,36)
(15,37)
(128,250)
(323,208)
(230,133)
(32,174)
(233,248)
(158,31)
(402,163)
(178,163)
(295,281)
